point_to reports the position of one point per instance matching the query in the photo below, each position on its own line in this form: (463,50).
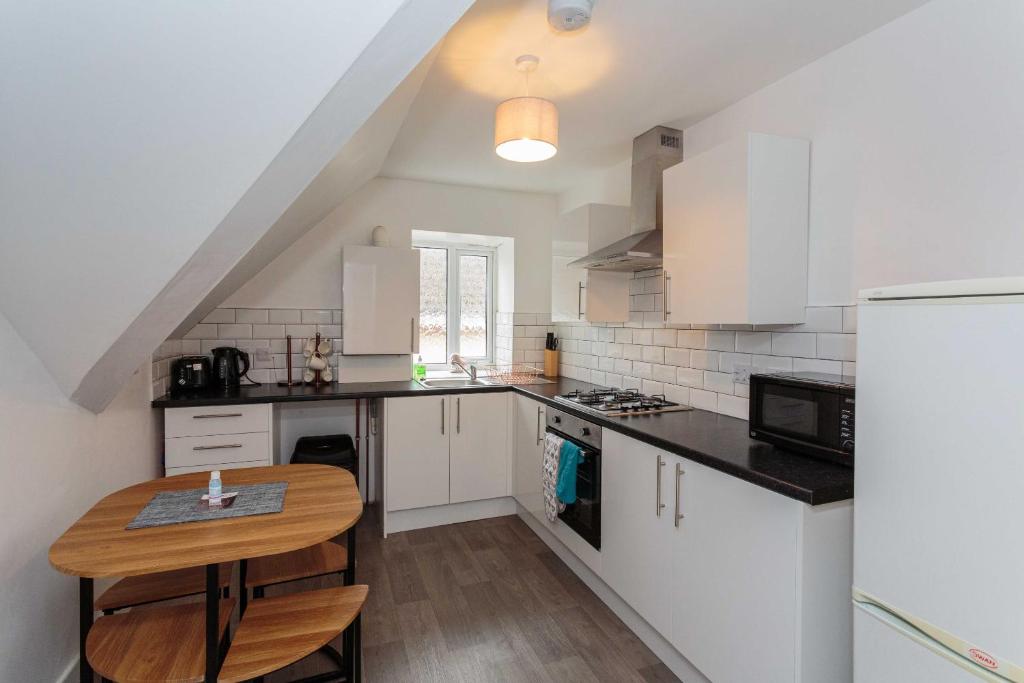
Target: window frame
(454,251)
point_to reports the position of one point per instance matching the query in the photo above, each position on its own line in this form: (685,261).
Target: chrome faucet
(456,361)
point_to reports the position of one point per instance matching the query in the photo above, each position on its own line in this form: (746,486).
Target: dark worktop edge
(812,495)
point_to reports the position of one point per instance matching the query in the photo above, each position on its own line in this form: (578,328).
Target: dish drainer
(511,373)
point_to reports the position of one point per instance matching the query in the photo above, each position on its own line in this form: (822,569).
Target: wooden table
(320,503)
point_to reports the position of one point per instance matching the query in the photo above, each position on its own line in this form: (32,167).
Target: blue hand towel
(568,458)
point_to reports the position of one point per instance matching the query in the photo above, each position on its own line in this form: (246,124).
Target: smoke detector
(569,15)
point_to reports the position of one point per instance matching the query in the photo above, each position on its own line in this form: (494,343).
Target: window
(456,302)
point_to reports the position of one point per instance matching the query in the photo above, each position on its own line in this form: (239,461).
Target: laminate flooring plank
(571,670)
(658,673)
(404,577)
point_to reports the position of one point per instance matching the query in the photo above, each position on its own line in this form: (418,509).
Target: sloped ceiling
(357,162)
(638,64)
(149,146)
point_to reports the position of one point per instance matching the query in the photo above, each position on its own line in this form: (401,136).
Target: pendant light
(526,128)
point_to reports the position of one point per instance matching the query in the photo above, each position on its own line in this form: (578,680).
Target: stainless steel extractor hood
(653,152)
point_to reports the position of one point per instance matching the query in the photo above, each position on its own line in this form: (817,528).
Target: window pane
(473,306)
(434,305)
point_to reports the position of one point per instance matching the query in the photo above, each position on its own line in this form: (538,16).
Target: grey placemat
(175,507)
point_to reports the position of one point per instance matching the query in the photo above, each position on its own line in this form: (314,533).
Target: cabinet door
(734,577)
(636,533)
(416,452)
(567,288)
(479,446)
(380,300)
(528,435)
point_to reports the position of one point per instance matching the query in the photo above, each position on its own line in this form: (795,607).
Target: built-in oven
(808,412)
(583,516)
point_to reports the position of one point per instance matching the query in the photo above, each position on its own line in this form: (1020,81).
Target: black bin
(332,449)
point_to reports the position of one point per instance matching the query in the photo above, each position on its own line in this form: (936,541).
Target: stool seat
(318,560)
(158,643)
(278,631)
(140,590)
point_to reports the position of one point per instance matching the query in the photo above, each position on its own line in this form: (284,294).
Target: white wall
(917,153)
(57,460)
(308,273)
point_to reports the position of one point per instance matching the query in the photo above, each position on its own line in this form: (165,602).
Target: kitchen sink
(454,383)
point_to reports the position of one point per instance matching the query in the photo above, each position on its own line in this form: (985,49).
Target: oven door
(584,516)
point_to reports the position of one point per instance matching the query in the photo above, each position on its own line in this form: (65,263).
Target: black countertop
(717,441)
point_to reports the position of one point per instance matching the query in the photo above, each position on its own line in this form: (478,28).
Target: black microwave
(807,412)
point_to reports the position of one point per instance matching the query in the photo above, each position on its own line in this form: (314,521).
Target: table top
(320,503)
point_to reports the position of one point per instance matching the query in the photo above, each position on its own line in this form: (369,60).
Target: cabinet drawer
(186,451)
(171,471)
(202,421)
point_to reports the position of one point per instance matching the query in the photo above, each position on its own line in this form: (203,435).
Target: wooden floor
(481,601)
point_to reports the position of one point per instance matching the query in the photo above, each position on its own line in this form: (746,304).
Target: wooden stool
(279,631)
(318,560)
(147,588)
(158,643)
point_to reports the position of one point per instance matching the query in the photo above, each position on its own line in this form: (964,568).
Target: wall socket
(262,355)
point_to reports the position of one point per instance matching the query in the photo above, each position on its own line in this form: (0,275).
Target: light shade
(526,129)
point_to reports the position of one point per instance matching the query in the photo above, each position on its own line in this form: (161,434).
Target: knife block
(550,363)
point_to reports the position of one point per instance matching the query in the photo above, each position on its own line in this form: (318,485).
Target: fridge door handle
(980,662)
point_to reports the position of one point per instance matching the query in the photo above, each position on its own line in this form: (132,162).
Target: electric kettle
(226,371)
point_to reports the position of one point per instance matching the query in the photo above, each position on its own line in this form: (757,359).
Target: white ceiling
(640,63)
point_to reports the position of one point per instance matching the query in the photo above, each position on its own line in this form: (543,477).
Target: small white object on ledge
(380,237)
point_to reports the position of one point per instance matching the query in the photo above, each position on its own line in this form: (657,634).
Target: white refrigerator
(939,483)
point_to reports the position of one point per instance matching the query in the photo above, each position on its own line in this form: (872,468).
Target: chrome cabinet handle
(458,414)
(204,417)
(679,475)
(579,301)
(668,288)
(213,448)
(660,505)
(442,414)
(539,437)
(412,335)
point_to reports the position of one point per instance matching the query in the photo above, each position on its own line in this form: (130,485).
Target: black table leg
(243,590)
(212,622)
(350,573)
(85,612)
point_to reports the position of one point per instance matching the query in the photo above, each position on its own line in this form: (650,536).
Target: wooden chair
(279,631)
(134,591)
(155,643)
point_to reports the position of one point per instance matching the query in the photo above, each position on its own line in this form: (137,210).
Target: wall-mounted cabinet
(380,292)
(578,294)
(735,233)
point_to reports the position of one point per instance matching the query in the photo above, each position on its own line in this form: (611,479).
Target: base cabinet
(734,578)
(445,449)
(747,584)
(530,418)
(636,526)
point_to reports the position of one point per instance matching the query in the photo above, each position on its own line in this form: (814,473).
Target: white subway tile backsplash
(678,394)
(772,363)
(849,319)
(300,331)
(316,317)
(623,335)
(734,406)
(721,341)
(251,315)
(664,337)
(754,342)
(642,370)
(837,346)
(677,356)
(654,354)
(720,382)
(691,339)
(690,377)
(817,365)
(800,344)
(645,337)
(705,400)
(269,332)
(220,315)
(728,362)
(632,351)
(704,360)
(663,373)
(652,387)
(234,331)
(202,331)
(285,316)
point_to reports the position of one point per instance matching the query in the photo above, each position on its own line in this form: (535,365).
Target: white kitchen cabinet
(478,465)
(530,419)
(735,574)
(735,233)
(416,442)
(578,294)
(445,449)
(218,437)
(380,300)
(636,526)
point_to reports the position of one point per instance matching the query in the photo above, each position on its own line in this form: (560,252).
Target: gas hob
(621,402)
